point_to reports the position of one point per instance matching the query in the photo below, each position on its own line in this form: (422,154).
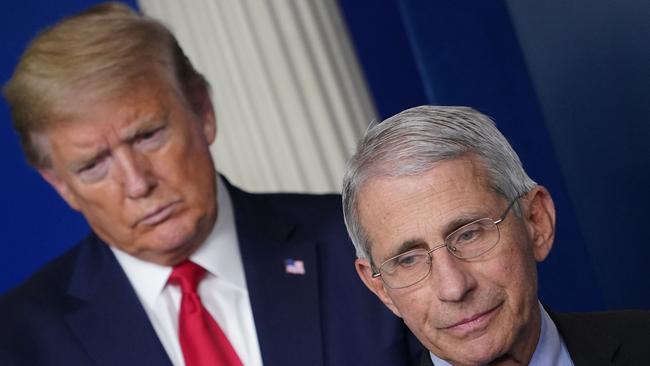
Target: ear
(376,285)
(539,215)
(205,111)
(60,186)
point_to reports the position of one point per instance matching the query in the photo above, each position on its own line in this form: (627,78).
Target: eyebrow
(448,228)
(405,247)
(145,124)
(458,222)
(79,164)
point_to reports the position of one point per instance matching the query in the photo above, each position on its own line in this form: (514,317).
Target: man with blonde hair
(181,267)
(448,229)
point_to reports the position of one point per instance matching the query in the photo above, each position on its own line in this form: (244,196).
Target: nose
(135,171)
(451,279)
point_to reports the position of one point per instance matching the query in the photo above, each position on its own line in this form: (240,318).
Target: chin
(479,352)
(178,239)
(481,359)
(469,359)
(166,251)
(482,356)
(174,240)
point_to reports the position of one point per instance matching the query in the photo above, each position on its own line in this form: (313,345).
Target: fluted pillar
(290,98)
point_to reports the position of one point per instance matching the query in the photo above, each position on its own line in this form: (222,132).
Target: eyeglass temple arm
(503,217)
(375,270)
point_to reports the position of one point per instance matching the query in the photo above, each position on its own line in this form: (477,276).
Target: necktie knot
(187,275)
(201,339)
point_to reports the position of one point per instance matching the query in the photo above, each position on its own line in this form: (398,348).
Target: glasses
(467,242)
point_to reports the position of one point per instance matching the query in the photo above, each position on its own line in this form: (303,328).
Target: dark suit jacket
(614,338)
(81,309)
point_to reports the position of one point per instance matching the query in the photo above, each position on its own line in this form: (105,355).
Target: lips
(157,215)
(473,323)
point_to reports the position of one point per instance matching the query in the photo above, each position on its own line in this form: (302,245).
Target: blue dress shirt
(550,349)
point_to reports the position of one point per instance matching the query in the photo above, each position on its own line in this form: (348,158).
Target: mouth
(157,215)
(473,323)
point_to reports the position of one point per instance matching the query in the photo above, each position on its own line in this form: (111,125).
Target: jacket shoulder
(616,336)
(46,288)
(321,214)
(623,322)
(309,204)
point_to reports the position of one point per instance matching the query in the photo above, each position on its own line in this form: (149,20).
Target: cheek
(189,159)
(422,316)
(187,171)
(103,203)
(176,165)
(519,278)
(111,222)
(416,307)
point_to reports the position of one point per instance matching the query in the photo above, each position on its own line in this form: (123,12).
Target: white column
(290,98)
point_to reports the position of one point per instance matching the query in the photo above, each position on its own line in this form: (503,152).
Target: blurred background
(296,82)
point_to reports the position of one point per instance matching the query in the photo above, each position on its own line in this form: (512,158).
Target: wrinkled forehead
(392,210)
(70,94)
(91,111)
(80,103)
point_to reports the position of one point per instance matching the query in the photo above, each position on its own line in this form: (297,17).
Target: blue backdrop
(569,85)
(36,225)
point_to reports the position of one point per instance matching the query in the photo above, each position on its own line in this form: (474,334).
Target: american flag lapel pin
(294,266)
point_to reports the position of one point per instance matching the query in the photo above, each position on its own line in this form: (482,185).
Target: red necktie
(202,341)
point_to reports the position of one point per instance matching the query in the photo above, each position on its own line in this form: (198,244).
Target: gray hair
(410,143)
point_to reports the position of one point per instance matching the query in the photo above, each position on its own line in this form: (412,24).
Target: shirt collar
(550,349)
(147,278)
(219,255)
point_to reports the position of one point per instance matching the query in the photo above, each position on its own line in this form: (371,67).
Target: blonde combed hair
(105,51)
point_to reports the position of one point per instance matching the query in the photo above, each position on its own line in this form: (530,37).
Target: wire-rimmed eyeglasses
(468,241)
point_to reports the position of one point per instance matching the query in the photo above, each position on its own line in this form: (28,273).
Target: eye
(410,259)
(468,234)
(148,135)
(150,139)
(94,170)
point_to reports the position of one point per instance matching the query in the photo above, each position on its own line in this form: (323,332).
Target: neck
(525,342)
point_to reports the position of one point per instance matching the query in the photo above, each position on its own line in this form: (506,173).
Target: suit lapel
(108,319)
(425,358)
(285,306)
(586,342)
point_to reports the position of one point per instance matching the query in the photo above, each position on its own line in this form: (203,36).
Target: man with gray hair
(448,228)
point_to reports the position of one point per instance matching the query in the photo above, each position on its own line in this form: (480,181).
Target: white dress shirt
(550,349)
(223,290)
